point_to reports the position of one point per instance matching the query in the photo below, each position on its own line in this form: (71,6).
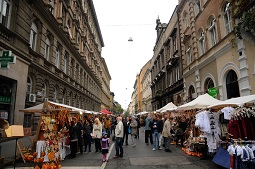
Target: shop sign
(5,99)
(213,92)
(6,59)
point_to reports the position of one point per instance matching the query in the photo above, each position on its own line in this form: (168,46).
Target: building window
(198,7)
(55,95)
(65,63)
(33,36)
(52,7)
(202,42)
(57,57)
(69,28)
(5,10)
(29,85)
(232,85)
(208,84)
(185,20)
(47,49)
(189,58)
(212,31)
(64,97)
(44,90)
(227,18)
(174,43)
(192,93)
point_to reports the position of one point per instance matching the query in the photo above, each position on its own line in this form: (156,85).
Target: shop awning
(201,102)
(169,107)
(142,113)
(234,102)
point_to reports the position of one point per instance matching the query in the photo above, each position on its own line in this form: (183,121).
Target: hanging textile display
(242,123)
(208,123)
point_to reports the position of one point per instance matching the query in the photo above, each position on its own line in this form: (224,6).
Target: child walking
(105,146)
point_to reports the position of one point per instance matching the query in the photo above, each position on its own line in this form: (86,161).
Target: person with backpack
(148,131)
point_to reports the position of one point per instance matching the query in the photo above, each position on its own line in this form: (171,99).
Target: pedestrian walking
(97,134)
(160,129)
(138,126)
(119,132)
(166,133)
(126,124)
(133,126)
(105,146)
(87,131)
(107,126)
(148,132)
(154,126)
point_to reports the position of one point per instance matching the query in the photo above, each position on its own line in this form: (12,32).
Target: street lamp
(130,39)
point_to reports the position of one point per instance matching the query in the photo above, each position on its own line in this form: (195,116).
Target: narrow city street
(140,156)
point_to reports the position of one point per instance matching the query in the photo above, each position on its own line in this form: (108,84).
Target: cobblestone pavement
(137,157)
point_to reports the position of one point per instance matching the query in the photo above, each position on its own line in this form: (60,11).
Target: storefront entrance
(7,98)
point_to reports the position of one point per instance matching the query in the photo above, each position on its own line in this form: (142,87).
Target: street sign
(5,99)
(6,59)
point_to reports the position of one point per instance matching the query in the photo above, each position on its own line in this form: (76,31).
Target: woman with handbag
(97,134)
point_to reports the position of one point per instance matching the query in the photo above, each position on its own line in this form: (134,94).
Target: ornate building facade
(166,65)
(58,46)
(213,57)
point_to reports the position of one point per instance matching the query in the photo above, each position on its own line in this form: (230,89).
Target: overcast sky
(119,20)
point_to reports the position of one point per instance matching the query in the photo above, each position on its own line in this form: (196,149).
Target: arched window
(47,49)
(212,31)
(202,41)
(29,85)
(232,85)
(64,97)
(227,18)
(5,11)
(33,36)
(197,6)
(208,84)
(179,100)
(191,93)
(57,57)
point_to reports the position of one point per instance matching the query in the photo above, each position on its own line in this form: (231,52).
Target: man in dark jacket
(79,135)
(73,138)
(126,124)
(155,131)
(148,131)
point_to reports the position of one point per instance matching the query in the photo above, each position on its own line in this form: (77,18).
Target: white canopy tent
(169,107)
(235,102)
(52,106)
(201,102)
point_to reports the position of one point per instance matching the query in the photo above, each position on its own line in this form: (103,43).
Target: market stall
(52,136)
(199,137)
(238,114)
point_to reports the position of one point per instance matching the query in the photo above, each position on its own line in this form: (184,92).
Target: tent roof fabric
(169,107)
(42,106)
(235,102)
(201,102)
(105,112)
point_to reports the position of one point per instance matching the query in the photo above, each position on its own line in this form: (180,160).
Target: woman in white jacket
(97,134)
